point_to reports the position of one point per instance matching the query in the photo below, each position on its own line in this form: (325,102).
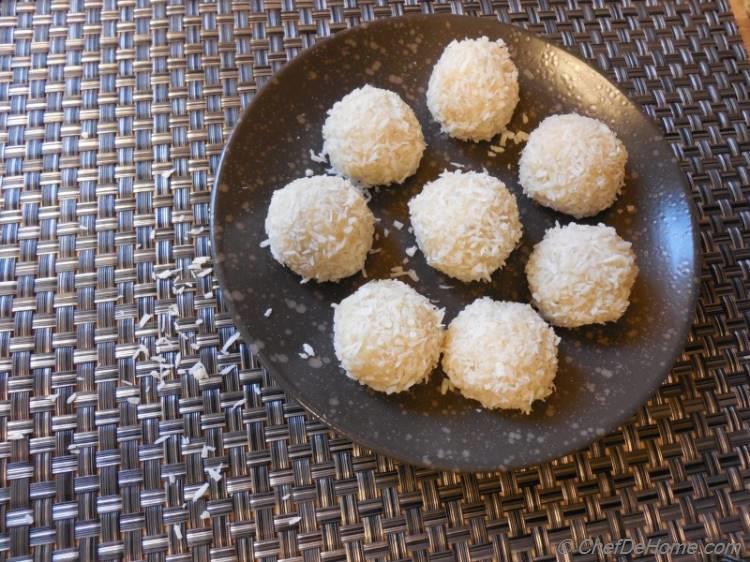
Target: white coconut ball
(580,274)
(502,354)
(320,227)
(387,336)
(573,164)
(466,224)
(373,137)
(473,89)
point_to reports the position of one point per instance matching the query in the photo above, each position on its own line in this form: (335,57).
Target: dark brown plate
(605,372)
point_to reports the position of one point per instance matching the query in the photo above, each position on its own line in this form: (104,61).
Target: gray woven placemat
(112,119)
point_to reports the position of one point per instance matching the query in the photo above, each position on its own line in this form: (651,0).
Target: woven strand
(113,116)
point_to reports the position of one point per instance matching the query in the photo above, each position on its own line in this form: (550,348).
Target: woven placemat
(136,426)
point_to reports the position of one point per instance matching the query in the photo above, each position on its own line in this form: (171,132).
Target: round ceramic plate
(605,372)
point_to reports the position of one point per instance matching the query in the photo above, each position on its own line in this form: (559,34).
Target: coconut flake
(200,492)
(167,273)
(227,344)
(318,158)
(198,371)
(397,271)
(215,473)
(445,386)
(141,349)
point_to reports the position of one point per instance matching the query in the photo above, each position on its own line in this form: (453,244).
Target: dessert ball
(573,164)
(502,354)
(387,336)
(473,89)
(320,227)
(466,224)
(580,274)
(373,137)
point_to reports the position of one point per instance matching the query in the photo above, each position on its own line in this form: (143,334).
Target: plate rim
(474,465)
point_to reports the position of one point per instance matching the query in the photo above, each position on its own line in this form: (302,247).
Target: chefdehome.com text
(626,547)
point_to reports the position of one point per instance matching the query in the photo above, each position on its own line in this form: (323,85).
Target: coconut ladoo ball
(573,164)
(320,227)
(580,274)
(473,89)
(466,224)
(373,137)
(502,354)
(387,336)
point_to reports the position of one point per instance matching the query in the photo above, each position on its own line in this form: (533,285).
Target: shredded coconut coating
(473,89)
(387,336)
(466,224)
(320,227)
(580,274)
(373,137)
(502,354)
(573,164)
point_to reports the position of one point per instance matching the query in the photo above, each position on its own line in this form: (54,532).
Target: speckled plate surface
(605,372)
